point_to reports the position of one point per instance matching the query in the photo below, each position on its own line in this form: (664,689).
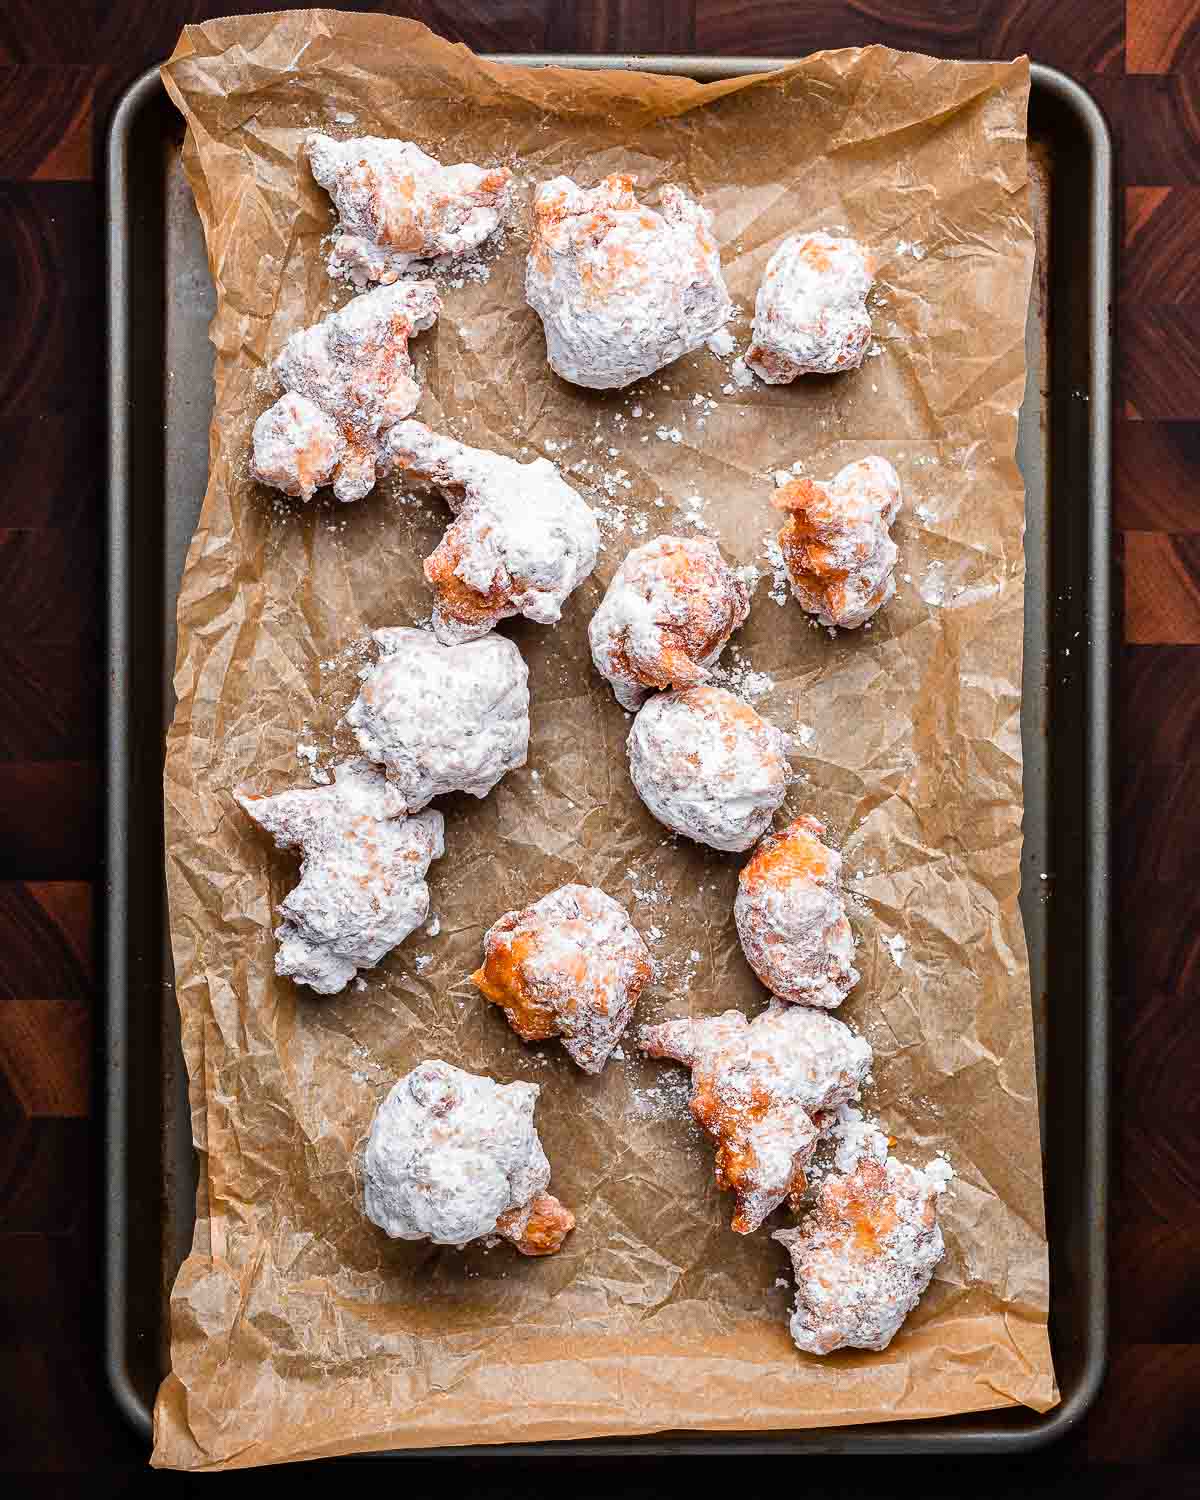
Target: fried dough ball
(759,1089)
(864,1255)
(571,965)
(839,552)
(522,539)
(454,1157)
(669,610)
(810,315)
(442,718)
(621,290)
(397,205)
(708,766)
(348,379)
(362,873)
(792,920)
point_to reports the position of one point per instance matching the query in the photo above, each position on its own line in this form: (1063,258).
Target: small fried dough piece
(396,205)
(708,766)
(621,290)
(759,1089)
(442,718)
(810,315)
(363,864)
(348,379)
(864,1255)
(669,611)
(839,553)
(792,920)
(571,965)
(522,539)
(454,1157)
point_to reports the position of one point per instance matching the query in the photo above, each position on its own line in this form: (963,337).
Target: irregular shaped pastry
(453,1157)
(864,1255)
(348,378)
(571,965)
(621,290)
(839,554)
(297,448)
(362,873)
(759,1089)
(792,920)
(708,766)
(810,315)
(669,610)
(442,718)
(521,541)
(397,205)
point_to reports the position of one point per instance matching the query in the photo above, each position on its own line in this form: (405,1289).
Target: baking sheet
(611,1270)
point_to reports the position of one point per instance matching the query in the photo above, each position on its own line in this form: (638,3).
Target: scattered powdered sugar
(910,247)
(805,734)
(737,675)
(896,945)
(855,1137)
(940,1173)
(666,1099)
(307,753)
(721,343)
(743,377)
(434,927)
(780,581)
(422,961)
(933,585)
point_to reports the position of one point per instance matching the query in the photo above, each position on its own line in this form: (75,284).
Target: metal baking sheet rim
(932,1435)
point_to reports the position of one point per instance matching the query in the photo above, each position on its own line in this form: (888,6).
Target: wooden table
(62,65)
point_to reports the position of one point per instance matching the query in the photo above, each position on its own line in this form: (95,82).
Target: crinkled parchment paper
(298,1328)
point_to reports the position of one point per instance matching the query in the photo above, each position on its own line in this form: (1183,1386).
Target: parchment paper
(298,1328)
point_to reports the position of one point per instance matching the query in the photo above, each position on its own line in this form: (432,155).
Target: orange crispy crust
(794,853)
(402,229)
(501,980)
(549,1224)
(810,563)
(736,1162)
(457,599)
(859,1211)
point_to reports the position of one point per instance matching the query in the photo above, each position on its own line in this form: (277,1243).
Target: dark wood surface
(62,64)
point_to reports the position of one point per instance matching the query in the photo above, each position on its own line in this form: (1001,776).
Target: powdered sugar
(810,315)
(791,918)
(896,944)
(398,205)
(362,873)
(452,1155)
(856,1137)
(668,612)
(443,718)
(571,965)
(708,766)
(621,290)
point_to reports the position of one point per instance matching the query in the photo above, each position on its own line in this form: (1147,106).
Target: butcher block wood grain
(62,66)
